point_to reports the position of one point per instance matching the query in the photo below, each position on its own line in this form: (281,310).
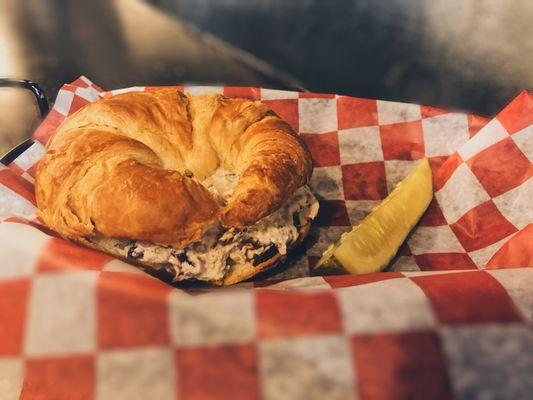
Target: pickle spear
(372,244)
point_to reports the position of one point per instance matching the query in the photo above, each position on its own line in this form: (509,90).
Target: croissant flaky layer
(130,166)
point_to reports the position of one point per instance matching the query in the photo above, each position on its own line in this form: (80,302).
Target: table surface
(468,55)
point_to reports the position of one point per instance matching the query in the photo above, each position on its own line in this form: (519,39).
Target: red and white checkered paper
(451,320)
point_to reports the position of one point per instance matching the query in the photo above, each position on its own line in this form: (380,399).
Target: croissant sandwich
(197,187)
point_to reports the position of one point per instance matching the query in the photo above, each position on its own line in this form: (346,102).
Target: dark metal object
(44,107)
(16,151)
(40,97)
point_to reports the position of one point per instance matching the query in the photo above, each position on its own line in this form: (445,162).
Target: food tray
(451,320)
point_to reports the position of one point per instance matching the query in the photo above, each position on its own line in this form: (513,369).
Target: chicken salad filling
(210,258)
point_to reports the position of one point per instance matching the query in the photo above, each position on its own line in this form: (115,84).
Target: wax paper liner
(75,323)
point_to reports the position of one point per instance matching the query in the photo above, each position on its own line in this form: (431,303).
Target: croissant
(131,172)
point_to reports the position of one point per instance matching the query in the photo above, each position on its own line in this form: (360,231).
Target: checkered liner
(75,323)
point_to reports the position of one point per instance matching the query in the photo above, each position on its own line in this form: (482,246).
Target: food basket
(450,318)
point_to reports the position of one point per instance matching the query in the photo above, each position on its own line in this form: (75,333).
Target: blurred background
(471,55)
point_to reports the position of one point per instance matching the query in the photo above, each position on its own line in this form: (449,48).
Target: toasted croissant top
(119,167)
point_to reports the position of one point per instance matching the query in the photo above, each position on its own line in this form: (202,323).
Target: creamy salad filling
(211,257)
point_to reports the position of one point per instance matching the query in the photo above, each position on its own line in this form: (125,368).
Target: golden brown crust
(116,167)
(107,184)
